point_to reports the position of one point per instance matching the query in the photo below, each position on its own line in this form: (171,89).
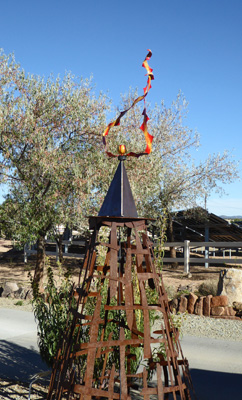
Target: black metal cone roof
(119,201)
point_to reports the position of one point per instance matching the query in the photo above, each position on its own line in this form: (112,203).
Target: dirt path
(5,245)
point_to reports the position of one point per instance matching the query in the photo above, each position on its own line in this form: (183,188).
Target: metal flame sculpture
(143,127)
(109,328)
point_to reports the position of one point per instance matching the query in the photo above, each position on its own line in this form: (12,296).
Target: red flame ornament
(143,127)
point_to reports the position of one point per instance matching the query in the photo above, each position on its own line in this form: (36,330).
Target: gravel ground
(216,328)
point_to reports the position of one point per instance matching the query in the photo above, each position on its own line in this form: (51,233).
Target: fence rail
(207,247)
(186,247)
(28,250)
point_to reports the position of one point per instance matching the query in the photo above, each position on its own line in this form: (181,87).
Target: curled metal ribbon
(143,127)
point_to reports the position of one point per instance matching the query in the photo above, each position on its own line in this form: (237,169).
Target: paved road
(19,356)
(213,354)
(216,365)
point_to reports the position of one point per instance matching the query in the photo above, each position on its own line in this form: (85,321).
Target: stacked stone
(209,306)
(11,290)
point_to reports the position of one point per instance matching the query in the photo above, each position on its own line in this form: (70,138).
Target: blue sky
(196,45)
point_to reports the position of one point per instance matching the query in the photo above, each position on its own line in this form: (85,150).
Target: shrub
(19,303)
(184,292)
(208,287)
(51,311)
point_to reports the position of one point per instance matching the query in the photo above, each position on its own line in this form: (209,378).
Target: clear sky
(196,45)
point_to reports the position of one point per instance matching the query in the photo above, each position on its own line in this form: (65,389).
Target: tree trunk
(170,237)
(40,261)
(60,250)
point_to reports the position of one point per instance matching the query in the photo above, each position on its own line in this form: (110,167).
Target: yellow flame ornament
(143,127)
(122,149)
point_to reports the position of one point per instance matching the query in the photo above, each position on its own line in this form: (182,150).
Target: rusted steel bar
(117,320)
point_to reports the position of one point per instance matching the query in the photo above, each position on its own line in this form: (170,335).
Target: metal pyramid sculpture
(111,347)
(119,200)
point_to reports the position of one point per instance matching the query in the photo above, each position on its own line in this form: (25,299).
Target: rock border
(12,291)
(208,306)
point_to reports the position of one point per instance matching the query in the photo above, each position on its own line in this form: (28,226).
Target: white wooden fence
(187,248)
(28,249)
(209,249)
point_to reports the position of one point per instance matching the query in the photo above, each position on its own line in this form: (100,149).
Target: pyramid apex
(119,201)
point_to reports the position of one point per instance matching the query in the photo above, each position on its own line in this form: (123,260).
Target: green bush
(184,292)
(19,303)
(51,311)
(208,287)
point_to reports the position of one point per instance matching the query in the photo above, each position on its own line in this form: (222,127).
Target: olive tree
(48,134)
(52,158)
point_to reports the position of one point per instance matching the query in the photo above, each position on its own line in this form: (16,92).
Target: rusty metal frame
(125,263)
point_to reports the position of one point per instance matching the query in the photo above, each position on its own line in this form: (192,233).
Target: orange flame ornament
(143,127)
(122,149)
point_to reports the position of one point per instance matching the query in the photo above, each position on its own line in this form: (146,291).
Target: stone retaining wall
(209,306)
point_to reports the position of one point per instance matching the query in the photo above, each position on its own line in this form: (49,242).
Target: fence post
(186,256)
(57,252)
(25,253)
(206,248)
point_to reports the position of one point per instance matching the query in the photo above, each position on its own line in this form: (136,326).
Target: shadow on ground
(18,363)
(212,385)
(208,385)
(10,390)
